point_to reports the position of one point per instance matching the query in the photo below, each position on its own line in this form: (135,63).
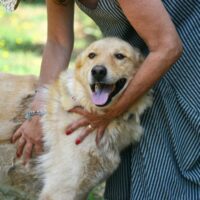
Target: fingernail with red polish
(78,141)
(68,132)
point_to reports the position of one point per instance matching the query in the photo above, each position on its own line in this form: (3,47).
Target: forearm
(60,38)
(152,22)
(55,59)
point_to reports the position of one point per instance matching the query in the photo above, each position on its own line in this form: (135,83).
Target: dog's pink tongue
(100,97)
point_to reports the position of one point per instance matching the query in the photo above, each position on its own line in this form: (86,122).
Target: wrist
(29,115)
(41,89)
(114,112)
(37,108)
(38,102)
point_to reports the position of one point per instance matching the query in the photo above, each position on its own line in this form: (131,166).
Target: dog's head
(105,68)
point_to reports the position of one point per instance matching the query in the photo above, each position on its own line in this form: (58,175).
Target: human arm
(152,22)
(56,57)
(60,38)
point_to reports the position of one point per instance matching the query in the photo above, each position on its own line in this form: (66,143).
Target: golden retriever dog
(101,74)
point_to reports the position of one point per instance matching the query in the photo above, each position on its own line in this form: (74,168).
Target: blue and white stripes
(165,165)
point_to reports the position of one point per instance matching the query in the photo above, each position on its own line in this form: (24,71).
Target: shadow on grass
(25,46)
(37,48)
(34,2)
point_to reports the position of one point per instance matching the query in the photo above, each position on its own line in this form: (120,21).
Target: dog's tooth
(97,86)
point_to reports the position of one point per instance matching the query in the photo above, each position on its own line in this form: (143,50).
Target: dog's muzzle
(102,91)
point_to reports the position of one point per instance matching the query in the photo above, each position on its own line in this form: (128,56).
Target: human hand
(29,135)
(92,121)
(29,138)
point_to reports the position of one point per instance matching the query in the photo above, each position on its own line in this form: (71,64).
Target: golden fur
(70,171)
(16,94)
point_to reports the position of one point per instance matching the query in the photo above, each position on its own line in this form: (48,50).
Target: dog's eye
(91,55)
(119,56)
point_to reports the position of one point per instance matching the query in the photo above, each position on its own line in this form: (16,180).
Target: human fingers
(84,134)
(38,148)
(100,133)
(16,135)
(75,125)
(28,152)
(79,110)
(20,146)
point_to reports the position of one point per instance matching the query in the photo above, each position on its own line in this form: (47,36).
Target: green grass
(23,35)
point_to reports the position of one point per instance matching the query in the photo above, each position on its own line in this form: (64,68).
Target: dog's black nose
(99,72)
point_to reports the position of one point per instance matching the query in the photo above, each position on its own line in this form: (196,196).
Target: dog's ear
(79,61)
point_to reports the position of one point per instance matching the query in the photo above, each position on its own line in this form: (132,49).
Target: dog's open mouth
(103,93)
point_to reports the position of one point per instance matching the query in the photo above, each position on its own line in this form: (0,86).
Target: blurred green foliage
(23,35)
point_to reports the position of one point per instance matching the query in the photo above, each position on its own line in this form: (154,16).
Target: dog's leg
(61,180)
